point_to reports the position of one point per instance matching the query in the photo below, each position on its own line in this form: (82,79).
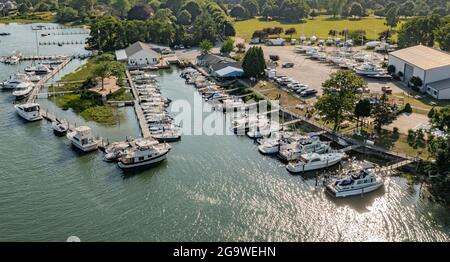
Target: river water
(211,188)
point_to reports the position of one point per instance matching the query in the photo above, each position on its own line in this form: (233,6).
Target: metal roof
(423,57)
(139,46)
(440,85)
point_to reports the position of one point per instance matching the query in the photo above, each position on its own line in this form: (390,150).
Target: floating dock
(138,110)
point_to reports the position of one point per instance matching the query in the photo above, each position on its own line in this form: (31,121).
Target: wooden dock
(40,84)
(138,110)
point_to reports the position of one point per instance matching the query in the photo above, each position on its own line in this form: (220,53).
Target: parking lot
(312,72)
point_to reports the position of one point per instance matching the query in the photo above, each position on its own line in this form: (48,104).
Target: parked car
(287,65)
(308,92)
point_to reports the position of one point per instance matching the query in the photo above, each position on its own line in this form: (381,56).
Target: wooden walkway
(40,84)
(292,122)
(138,110)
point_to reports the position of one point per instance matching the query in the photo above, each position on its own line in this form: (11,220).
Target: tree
(431,113)
(174,5)
(184,17)
(422,8)
(335,7)
(441,118)
(205,28)
(407,9)
(108,68)
(340,94)
(251,7)
(356,9)
(407,109)
(419,30)
(206,46)
(270,8)
(238,12)
(392,17)
(416,83)
(253,62)
(294,10)
(382,112)
(23,9)
(140,12)
(290,32)
(362,109)
(193,8)
(227,46)
(442,35)
(122,6)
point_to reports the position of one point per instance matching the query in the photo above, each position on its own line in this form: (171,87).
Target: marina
(208,188)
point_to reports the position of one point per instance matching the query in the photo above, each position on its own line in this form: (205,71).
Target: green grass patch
(120,95)
(34,17)
(319,26)
(89,106)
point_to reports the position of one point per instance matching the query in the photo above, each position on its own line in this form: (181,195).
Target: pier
(137,109)
(40,84)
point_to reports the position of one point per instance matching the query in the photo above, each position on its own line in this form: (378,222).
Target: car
(308,92)
(287,65)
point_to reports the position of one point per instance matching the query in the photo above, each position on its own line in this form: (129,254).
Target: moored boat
(356,182)
(29,111)
(81,137)
(145,153)
(314,161)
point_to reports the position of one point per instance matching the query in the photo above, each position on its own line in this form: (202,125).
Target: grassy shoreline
(36,17)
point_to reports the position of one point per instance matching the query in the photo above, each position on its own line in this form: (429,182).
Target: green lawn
(30,18)
(319,26)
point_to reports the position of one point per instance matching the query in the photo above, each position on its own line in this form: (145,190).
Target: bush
(416,83)
(407,109)
(391,69)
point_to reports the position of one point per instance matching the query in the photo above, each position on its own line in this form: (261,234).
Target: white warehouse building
(432,66)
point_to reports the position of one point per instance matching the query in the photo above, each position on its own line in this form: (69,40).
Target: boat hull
(268,150)
(311,167)
(147,163)
(352,192)
(35,116)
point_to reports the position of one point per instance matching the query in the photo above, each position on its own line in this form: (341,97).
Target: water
(211,188)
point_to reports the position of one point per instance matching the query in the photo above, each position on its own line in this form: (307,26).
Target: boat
(314,161)
(15,80)
(115,151)
(59,129)
(355,182)
(294,152)
(81,137)
(369,69)
(23,90)
(145,153)
(4,33)
(29,111)
(167,136)
(42,69)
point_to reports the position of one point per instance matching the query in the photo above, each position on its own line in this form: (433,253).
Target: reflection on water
(210,188)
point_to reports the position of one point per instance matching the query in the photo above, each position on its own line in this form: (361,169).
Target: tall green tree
(392,17)
(251,7)
(205,46)
(294,10)
(193,8)
(382,112)
(442,35)
(340,94)
(419,30)
(335,7)
(254,62)
(362,109)
(108,68)
(122,6)
(227,46)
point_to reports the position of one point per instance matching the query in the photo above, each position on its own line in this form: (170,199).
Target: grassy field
(319,26)
(30,18)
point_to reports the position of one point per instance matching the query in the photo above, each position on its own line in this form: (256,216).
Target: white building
(138,54)
(432,66)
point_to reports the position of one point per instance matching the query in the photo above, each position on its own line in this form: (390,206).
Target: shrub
(391,69)
(408,108)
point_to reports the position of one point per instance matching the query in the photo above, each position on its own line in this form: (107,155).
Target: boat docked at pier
(295,150)
(18,80)
(144,153)
(115,150)
(314,161)
(59,129)
(23,90)
(356,182)
(81,137)
(29,111)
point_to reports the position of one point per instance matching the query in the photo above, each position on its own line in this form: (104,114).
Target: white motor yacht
(29,111)
(15,80)
(23,90)
(145,153)
(356,182)
(81,137)
(314,161)
(294,152)
(369,69)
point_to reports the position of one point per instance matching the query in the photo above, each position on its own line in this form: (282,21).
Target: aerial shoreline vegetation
(86,102)
(34,17)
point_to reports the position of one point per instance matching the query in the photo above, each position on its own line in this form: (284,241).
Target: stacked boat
(154,106)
